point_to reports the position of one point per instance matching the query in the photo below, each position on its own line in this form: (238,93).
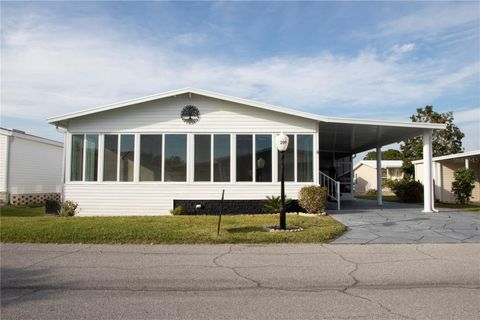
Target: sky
(373,60)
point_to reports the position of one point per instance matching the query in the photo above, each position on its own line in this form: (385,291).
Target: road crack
(215,261)
(346,289)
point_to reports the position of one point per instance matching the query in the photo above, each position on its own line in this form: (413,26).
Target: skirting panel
(26,199)
(213,207)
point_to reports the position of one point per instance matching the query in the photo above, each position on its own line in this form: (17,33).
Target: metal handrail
(333,187)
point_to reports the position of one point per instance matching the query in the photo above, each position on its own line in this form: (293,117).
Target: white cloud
(432,19)
(190,39)
(472,132)
(404,48)
(472,115)
(49,70)
(469,122)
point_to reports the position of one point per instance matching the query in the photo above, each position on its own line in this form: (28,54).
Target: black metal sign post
(220,214)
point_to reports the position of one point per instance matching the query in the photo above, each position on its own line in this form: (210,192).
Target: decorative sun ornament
(190,114)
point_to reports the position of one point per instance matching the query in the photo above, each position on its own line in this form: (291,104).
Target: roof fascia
(121,104)
(453,156)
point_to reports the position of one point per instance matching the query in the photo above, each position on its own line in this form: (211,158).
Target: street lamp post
(282,144)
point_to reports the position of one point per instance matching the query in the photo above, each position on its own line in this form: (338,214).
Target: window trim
(212,178)
(190,157)
(273,150)
(253,157)
(84,158)
(139,155)
(296,157)
(194,134)
(120,152)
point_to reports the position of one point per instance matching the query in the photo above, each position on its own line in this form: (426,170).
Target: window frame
(84,158)
(119,153)
(312,159)
(102,157)
(190,157)
(232,154)
(84,174)
(162,164)
(272,150)
(194,144)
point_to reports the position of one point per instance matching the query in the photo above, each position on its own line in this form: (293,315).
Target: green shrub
(389,183)
(371,192)
(463,185)
(313,198)
(177,211)
(407,190)
(273,204)
(68,208)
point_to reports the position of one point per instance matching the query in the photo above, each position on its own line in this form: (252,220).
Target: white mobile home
(365,174)
(142,156)
(444,174)
(30,168)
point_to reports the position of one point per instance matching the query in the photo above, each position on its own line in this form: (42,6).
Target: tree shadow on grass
(245,229)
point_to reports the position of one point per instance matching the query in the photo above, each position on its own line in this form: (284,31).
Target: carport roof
(336,134)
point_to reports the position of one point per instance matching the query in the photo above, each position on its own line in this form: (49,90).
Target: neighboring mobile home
(30,168)
(365,174)
(443,173)
(143,156)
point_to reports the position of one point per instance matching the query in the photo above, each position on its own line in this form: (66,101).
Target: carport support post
(427,173)
(379,176)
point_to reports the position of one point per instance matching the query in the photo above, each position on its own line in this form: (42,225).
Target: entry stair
(333,188)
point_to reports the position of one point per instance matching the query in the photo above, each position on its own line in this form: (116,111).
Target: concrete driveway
(405,223)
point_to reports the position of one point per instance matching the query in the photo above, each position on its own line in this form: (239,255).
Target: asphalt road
(427,281)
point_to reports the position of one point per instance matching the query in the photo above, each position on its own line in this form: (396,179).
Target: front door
(338,166)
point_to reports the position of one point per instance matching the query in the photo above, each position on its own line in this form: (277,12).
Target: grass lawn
(30,224)
(462,207)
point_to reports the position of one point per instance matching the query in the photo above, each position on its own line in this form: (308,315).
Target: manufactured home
(147,155)
(443,172)
(30,168)
(365,174)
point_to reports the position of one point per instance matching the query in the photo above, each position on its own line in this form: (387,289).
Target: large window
(244,157)
(76,166)
(163,157)
(304,158)
(91,157)
(127,147)
(175,157)
(289,161)
(263,158)
(202,157)
(110,157)
(151,157)
(221,157)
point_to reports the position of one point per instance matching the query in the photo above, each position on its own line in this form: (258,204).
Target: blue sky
(378,60)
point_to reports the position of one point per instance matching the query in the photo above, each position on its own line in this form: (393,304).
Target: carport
(350,136)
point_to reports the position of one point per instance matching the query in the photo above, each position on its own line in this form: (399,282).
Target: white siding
(35,167)
(157,198)
(3,162)
(163,116)
(215,116)
(443,173)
